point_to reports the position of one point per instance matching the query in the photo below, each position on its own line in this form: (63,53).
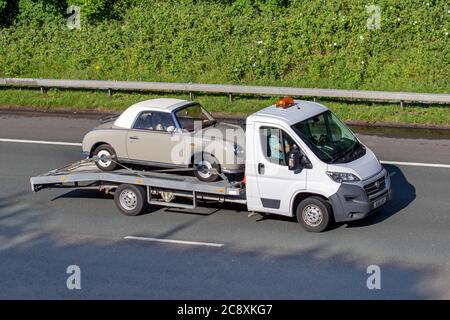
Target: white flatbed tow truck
(300,160)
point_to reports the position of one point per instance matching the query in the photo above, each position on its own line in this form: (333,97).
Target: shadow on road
(403,194)
(34,262)
(84,194)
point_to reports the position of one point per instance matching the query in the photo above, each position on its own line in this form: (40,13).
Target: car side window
(157,121)
(277,145)
(144,121)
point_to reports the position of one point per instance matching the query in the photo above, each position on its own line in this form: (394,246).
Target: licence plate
(379,202)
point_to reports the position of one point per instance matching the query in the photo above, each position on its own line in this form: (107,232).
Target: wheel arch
(201,153)
(95,146)
(301,195)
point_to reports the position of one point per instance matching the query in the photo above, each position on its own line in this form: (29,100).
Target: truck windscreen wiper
(346,154)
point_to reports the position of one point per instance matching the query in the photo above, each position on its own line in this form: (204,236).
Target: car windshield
(194,117)
(329,138)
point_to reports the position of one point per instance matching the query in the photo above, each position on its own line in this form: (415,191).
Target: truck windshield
(329,138)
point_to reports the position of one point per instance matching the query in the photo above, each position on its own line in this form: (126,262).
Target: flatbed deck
(85,174)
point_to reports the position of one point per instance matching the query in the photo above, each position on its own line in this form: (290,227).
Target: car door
(276,183)
(151,139)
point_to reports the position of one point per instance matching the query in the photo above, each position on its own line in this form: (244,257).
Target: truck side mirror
(298,161)
(294,160)
(304,162)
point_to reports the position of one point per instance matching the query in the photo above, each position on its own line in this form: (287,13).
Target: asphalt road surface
(43,233)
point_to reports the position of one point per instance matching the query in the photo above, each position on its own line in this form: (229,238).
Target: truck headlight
(238,150)
(342,177)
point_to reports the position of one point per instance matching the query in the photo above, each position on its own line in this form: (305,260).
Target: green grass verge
(99,101)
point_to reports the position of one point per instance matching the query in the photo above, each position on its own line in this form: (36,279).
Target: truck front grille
(375,187)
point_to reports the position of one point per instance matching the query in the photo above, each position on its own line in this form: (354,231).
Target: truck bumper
(351,202)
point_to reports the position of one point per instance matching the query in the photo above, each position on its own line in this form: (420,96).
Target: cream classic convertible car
(169,133)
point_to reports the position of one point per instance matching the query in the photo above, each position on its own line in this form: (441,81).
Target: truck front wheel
(130,199)
(314,213)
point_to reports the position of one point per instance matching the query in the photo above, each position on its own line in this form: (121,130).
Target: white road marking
(193,243)
(417,164)
(42,142)
(400,163)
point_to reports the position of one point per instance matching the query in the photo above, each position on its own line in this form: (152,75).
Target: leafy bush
(320,43)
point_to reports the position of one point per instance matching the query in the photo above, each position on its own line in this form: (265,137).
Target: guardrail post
(230,97)
(110,93)
(191,96)
(42,89)
(401,104)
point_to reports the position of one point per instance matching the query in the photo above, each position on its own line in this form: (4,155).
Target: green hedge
(317,43)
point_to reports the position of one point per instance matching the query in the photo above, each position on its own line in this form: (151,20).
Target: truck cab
(302,161)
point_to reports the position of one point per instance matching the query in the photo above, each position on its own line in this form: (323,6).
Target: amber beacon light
(285,102)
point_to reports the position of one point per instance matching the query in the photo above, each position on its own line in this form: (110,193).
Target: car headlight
(342,177)
(238,150)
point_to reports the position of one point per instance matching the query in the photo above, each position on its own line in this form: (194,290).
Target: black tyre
(314,214)
(203,168)
(105,150)
(131,200)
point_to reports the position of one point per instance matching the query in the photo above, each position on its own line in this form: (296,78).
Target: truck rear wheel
(314,213)
(130,199)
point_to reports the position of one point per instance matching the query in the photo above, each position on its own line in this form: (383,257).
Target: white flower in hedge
(335,44)
(399,19)
(361,37)
(446,33)
(363,62)
(259,42)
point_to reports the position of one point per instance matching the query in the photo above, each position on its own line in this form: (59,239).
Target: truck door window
(276,145)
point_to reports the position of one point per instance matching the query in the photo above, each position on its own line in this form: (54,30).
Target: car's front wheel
(207,168)
(109,161)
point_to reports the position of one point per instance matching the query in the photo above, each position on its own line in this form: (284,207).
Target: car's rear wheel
(206,168)
(109,162)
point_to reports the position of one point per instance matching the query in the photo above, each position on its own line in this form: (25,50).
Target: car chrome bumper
(233,171)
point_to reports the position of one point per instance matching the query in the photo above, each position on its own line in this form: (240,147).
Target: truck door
(276,183)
